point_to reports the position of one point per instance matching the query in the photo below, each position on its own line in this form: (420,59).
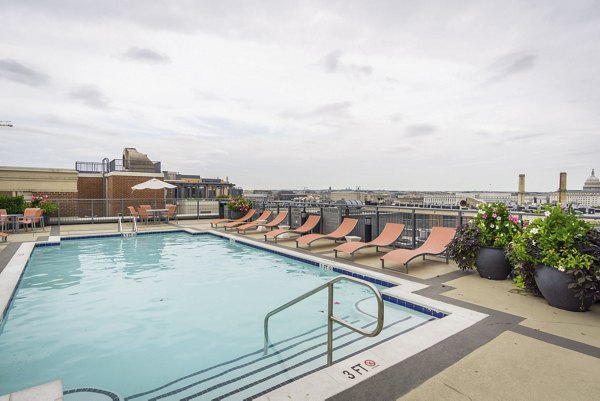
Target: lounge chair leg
(382,264)
(335,253)
(406,266)
(447,257)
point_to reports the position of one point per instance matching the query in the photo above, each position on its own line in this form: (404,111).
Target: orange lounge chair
(391,232)
(436,244)
(307,227)
(273,223)
(339,233)
(263,216)
(248,216)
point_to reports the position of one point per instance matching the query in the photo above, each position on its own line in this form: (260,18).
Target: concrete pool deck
(524,350)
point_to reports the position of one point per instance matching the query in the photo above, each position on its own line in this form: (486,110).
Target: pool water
(132,314)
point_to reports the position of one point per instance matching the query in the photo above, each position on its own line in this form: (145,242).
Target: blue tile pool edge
(390,298)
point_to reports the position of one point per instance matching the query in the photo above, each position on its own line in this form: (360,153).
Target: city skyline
(411,96)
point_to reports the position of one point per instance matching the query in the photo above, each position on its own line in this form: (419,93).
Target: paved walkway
(525,350)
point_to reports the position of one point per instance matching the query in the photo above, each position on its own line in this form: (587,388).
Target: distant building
(589,196)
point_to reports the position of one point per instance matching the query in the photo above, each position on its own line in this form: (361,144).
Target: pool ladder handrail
(134,229)
(330,317)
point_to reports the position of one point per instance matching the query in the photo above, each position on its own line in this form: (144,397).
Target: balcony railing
(117,165)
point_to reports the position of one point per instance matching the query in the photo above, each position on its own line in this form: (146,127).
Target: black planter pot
(554,286)
(236,215)
(492,264)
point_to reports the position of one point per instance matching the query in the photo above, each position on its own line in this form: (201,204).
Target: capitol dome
(592,184)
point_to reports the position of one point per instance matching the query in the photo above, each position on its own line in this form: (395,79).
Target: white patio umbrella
(154,184)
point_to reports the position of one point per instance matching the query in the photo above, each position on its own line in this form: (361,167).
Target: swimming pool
(175,316)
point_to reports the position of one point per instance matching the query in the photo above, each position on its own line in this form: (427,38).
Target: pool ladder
(330,317)
(134,229)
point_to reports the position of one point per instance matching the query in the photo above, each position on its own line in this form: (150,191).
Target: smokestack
(562,189)
(521,196)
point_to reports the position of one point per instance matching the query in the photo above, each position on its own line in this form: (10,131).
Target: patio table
(156,213)
(14,220)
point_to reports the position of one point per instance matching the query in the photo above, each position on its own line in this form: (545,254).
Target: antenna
(6,124)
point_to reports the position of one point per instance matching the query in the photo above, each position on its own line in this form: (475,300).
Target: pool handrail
(330,317)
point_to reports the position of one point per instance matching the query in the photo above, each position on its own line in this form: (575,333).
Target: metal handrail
(330,317)
(120,224)
(134,225)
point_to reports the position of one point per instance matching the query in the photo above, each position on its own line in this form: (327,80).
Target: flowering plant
(38,200)
(561,240)
(493,226)
(239,204)
(43,203)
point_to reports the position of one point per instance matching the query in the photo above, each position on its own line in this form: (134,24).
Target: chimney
(562,189)
(521,196)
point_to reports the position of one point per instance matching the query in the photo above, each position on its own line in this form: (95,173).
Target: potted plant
(238,207)
(558,257)
(481,242)
(49,207)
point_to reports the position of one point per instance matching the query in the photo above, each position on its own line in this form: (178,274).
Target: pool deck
(524,350)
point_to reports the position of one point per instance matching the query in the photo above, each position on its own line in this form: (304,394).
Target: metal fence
(78,211)
(418,222)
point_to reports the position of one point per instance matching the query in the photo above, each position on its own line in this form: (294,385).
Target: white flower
(498,218)
(491,226)
(533,242)
(562,269)
(546,213)
(535,230)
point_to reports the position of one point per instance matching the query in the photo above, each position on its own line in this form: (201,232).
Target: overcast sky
(408,95)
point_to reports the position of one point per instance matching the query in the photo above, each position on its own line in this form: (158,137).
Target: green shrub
(12,204)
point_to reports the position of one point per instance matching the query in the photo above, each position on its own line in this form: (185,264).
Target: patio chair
(3,219)
(391,232)
(133,213)
(344,229)
(307,227)
(3,223)
(215,223)
(31,217)
(436,244)
(263,216)
(171,212)
(271,224)
(144,214)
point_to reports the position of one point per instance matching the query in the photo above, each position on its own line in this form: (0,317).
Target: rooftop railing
(418,221)
(117,165)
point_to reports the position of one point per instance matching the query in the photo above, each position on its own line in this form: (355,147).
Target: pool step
(255,374)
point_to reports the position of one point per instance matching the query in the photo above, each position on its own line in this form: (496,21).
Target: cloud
(333,64)
(339,109)
(17,72)
(146,56)
(419,130)
(90,95)
(396,117)
(510,65)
